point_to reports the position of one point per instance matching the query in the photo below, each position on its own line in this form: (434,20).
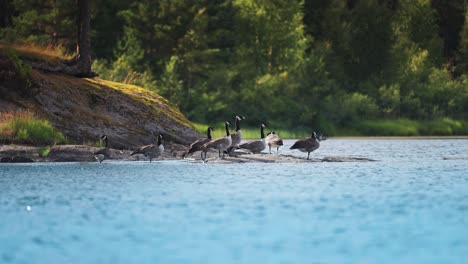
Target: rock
(79,153)
(21,159)
(18,150)
(273,158)
(5,159)
(455,158)
(16,159)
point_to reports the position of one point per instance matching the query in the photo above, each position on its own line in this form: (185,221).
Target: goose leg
(270,148)
(277,150)
(308,155)
(219,153)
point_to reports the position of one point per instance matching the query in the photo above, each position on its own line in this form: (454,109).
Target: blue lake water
(411,206)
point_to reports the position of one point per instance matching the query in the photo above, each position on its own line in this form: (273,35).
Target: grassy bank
(22,127)
(395,127)
(405,127)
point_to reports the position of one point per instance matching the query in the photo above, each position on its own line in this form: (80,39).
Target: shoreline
(83,153)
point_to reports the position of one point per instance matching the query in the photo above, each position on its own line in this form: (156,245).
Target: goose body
(236,136)
(198,144)
(151,151)
(307,144)
(273,140)
(101,154)
(221,144)
(256,146)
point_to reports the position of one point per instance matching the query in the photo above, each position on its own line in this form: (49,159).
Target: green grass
(252,132)
(392,127)
(24,128)
(405,127)
(44,152)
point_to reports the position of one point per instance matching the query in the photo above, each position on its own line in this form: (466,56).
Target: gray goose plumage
(151,151)
(273,140)
(221,144)
(236,136)
(198,144)
(104,152)
(256,146)
(307,144)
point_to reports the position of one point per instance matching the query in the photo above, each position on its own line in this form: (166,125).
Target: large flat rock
(275,158)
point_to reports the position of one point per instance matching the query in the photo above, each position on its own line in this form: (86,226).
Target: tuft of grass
(44,152)
(24,128)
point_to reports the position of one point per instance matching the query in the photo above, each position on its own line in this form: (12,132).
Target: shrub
(23,69)
(24,127)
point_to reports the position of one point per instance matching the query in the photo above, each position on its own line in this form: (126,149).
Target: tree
(81,65)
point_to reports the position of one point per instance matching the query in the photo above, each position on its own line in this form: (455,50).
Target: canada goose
(256,146)
(151,151)
(273,140)
(307,144)
(221,144)
(101,154)
(198,144)
(236,136)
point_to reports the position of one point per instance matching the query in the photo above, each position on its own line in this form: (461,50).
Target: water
(411,206)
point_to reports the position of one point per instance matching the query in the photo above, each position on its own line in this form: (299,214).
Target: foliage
(309,64)
(23,69)
(24,127)
(405,127)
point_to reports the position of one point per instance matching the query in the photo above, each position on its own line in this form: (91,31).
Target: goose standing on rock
(151,151)
(256,146)
(273,140)
(307,144)
(236,136)
(221,144)
(198,144)
(101,154)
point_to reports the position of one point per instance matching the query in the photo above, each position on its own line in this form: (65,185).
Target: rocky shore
(83,153)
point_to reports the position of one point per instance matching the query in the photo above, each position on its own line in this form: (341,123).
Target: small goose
(221,144)
(307,144)
(101,154)
(151,151)
(236,136)
(198,144)
(273,140)
(256,146)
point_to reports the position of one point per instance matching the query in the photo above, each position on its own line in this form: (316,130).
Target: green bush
(23,69)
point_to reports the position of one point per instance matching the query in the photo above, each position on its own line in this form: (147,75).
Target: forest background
(343,67)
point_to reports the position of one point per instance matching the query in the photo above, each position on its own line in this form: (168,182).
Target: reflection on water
(410,207)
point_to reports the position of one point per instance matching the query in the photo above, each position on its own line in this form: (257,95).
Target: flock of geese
(227,144)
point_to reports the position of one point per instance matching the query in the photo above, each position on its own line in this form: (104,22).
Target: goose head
(226,124)
(208,132)
(160,137)
(314,135)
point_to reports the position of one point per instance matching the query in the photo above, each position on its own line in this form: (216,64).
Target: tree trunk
(79,66)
